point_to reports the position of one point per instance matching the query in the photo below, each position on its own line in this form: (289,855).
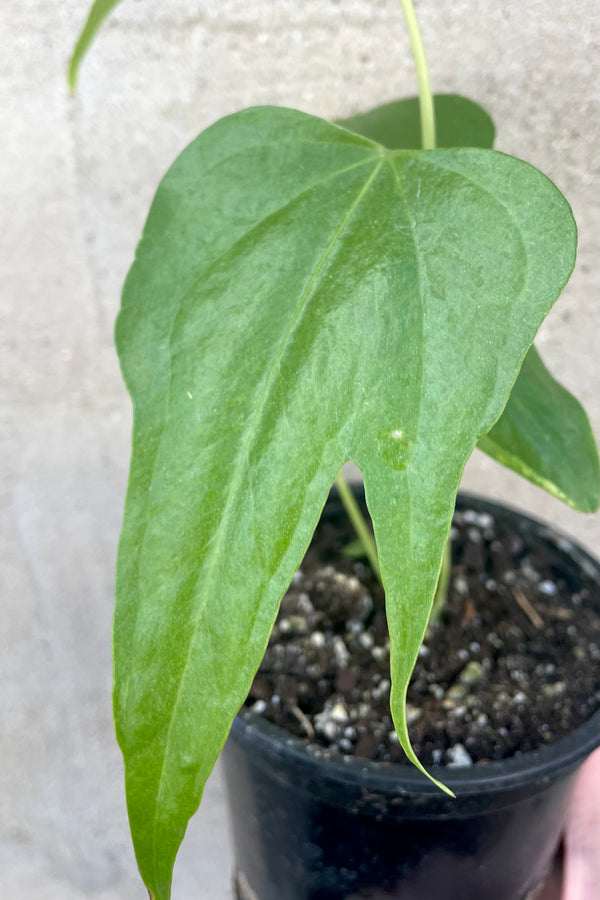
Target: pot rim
(540,766)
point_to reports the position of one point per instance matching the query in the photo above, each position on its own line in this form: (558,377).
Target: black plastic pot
(312,829)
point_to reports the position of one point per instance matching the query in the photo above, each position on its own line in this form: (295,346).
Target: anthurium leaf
(459,123)
(98,13)
(545,435)
(301,297)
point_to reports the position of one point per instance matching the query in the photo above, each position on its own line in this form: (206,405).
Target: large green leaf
(301,297)
(545,435)
(459,122)
(98,13)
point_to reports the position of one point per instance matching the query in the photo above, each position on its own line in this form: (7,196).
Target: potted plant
(323,802)
(306,294)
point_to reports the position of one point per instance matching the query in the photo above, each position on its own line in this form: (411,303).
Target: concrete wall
(76,179)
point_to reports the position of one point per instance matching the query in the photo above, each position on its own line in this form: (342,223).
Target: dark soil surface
(512,665)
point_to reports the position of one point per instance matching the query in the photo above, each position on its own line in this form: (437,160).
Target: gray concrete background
(76,179)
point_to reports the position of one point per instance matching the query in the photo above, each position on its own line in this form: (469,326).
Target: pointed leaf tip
(99,11)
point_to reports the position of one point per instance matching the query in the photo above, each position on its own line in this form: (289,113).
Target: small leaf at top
(459,123)
(301,297)
(98,13)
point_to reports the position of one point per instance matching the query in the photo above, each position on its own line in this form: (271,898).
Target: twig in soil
(469,613)
(304,721)
(531,613)
(560,613)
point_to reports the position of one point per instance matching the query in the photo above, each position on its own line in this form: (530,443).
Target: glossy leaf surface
(301,297)
(99,11)
(543,434)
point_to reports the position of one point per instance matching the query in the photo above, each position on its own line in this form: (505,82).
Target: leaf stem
(427,115)
(359,523)
(425,95)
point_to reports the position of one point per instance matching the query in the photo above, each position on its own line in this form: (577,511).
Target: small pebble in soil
(304,604)
(458,756)
(284,626)
(461,585)
(472,673)
(341,652)
(456,692)
(474,536)
(382,689)
(545,669)
(485,520)
(298,625)
(339,714)
(317,640)
(413,714)
(555,689)
(436,690)
(325,725)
